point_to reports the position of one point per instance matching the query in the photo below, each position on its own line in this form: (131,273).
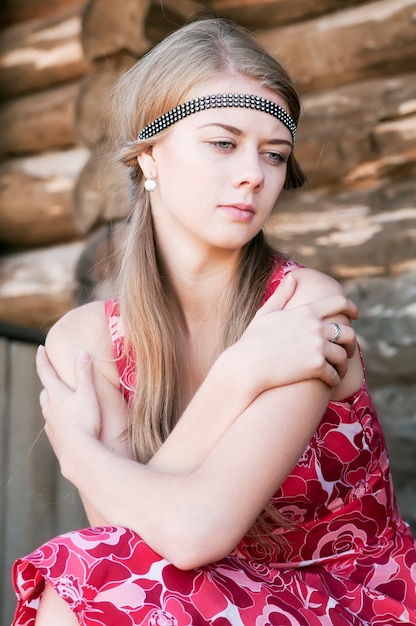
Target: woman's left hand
(69,414)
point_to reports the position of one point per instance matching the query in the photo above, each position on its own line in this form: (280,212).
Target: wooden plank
(41,53)
(93,116)
(39,122)
(163,17)
(37,287)
(272,13)
(367,231)
(36,198)
(30,468)
(374,39)
(345,127)
(24,10)
(107,29)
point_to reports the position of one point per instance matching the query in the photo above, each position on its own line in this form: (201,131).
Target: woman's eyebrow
(231,129)
(237,131)
(278,142)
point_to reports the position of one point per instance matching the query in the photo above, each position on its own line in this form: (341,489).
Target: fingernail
(84,356)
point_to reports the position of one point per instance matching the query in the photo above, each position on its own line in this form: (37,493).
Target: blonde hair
(161,80)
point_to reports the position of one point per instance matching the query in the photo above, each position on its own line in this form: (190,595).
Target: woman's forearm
(179,514)
(127,493)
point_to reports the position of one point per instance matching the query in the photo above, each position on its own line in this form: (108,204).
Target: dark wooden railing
(36,503)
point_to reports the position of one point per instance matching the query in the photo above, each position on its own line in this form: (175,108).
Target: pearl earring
(150,184)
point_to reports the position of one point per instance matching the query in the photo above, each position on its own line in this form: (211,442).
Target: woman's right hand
(69,413)
(286,345)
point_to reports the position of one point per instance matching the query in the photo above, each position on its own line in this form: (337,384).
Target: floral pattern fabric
(347,559)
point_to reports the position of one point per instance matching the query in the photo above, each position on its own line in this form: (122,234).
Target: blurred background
(62,206)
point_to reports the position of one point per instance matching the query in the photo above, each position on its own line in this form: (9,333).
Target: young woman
(214,416)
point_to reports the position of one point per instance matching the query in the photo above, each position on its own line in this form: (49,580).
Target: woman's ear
(147,163)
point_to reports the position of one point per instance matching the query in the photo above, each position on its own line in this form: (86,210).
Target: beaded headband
(246,101)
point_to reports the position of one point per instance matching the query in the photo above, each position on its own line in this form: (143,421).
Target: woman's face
(219,171)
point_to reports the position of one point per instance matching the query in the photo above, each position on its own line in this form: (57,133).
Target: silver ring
(337,332)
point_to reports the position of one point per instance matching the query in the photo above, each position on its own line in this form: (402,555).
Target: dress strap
(124,360)
(282,267)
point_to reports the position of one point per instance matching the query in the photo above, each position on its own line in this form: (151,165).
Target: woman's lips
(240,212)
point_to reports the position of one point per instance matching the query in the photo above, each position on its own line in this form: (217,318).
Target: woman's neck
(196,284)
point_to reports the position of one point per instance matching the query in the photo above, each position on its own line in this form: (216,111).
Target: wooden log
(24,10)
(41,53)
(163,17)
(363,103)
(36,198)
(108,28)
(37,287)
(372,40)
(401,166)
(254,14)
(272,13)
(394,135)
(368,231)
(92,117)
(346,127)
(102,191)
(39,122)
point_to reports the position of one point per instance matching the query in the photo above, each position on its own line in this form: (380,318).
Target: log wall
(42,64)
(354,63)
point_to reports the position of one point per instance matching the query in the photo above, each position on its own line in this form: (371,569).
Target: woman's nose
(249,171)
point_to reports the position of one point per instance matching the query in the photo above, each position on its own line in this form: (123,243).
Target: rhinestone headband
(246,101)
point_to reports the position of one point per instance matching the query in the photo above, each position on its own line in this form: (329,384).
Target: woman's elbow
(195,545)
(190,555)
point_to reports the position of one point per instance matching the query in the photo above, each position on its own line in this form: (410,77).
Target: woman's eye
(276,157)
(222,145)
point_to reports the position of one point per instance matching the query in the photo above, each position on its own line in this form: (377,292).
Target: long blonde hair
(161,80)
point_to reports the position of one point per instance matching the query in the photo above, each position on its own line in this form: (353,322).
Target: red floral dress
(348,559)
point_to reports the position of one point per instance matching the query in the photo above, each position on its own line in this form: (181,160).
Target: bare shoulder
(312,285)
(82,328)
